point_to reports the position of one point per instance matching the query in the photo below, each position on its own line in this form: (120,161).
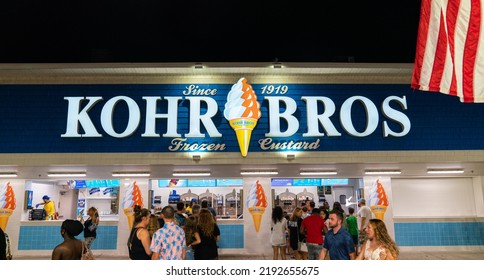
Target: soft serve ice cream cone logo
(378,200)
(132,197)
(256,203)
(7,204)
(242,110)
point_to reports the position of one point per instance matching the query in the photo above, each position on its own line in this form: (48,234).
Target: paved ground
(403,256)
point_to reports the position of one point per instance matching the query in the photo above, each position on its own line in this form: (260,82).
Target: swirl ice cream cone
(256,204)
(242,110)
(7,204)
(132,197)
(378,200)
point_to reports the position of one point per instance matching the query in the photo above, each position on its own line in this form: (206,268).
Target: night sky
(46,31)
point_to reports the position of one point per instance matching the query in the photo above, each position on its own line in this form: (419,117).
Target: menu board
(199,183)
(306,182)
(89,184)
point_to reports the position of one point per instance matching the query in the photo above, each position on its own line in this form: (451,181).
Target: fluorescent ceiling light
(8,174)
(131,174)
(194,173)
(66,174)
(383,172)
(318,172)
(277,65)
(259,172)
(445,171)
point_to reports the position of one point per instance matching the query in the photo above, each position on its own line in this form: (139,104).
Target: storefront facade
(160,121)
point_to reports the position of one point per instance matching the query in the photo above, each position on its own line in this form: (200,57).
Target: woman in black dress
(139,240)
(90,226)
(209,235)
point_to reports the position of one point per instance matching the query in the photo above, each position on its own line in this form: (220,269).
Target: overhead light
(290,156)
(383,172)
(192,173)
(277,65)
(131,174)
(317,172)
(259,172)
(8,174)
(445,171)
(66,174)
(198,66)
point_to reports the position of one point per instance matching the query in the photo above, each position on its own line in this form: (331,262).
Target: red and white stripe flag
(450,49)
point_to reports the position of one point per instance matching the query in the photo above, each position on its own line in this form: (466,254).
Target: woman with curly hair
(209,235)
(379,245)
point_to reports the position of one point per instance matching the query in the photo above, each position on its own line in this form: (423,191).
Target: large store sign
(229,118)
(242,111)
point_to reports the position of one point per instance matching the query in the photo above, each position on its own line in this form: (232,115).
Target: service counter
(45,235)
(231,233)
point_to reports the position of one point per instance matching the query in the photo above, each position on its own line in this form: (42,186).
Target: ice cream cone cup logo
(256,203)
(132,197)
(242,110)
(378,200)
(7,204)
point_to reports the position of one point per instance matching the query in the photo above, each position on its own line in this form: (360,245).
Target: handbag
(86,253)
(302,246)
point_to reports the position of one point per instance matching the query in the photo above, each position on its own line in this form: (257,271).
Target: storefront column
(478,184)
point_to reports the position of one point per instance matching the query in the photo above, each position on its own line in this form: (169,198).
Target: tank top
(375,255)
(87,231)
(136,250)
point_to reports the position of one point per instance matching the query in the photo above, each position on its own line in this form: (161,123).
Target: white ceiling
(350,170)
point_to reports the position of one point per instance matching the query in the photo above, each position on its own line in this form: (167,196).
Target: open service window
(223,195)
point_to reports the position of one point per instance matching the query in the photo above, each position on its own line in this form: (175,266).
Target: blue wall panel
(440,234)
(231,236)
(48,237)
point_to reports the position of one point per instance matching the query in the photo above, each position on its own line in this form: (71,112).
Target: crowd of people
(323,233)
(180,235)
(177,234)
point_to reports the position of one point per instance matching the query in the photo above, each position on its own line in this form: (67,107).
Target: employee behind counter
(49,207)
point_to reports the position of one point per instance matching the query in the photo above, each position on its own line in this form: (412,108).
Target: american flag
(450,49)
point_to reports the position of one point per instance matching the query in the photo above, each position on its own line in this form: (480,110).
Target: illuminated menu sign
(198,183)
(303,182)
(81,184)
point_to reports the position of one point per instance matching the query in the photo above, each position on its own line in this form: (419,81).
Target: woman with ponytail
(139,240)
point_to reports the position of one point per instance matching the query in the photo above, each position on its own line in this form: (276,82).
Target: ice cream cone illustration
(7,204)
(132,197)
(242,110)
(256,203)
(379,211)
(378,200)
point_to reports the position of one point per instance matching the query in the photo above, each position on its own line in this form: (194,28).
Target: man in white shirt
(364,216)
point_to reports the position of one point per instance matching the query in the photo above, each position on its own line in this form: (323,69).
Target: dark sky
(202,31)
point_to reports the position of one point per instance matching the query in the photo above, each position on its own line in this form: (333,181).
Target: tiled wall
(47,237)
(440,234)
(106,239)
(231,236)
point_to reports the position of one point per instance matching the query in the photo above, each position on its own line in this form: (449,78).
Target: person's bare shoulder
(59,251)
